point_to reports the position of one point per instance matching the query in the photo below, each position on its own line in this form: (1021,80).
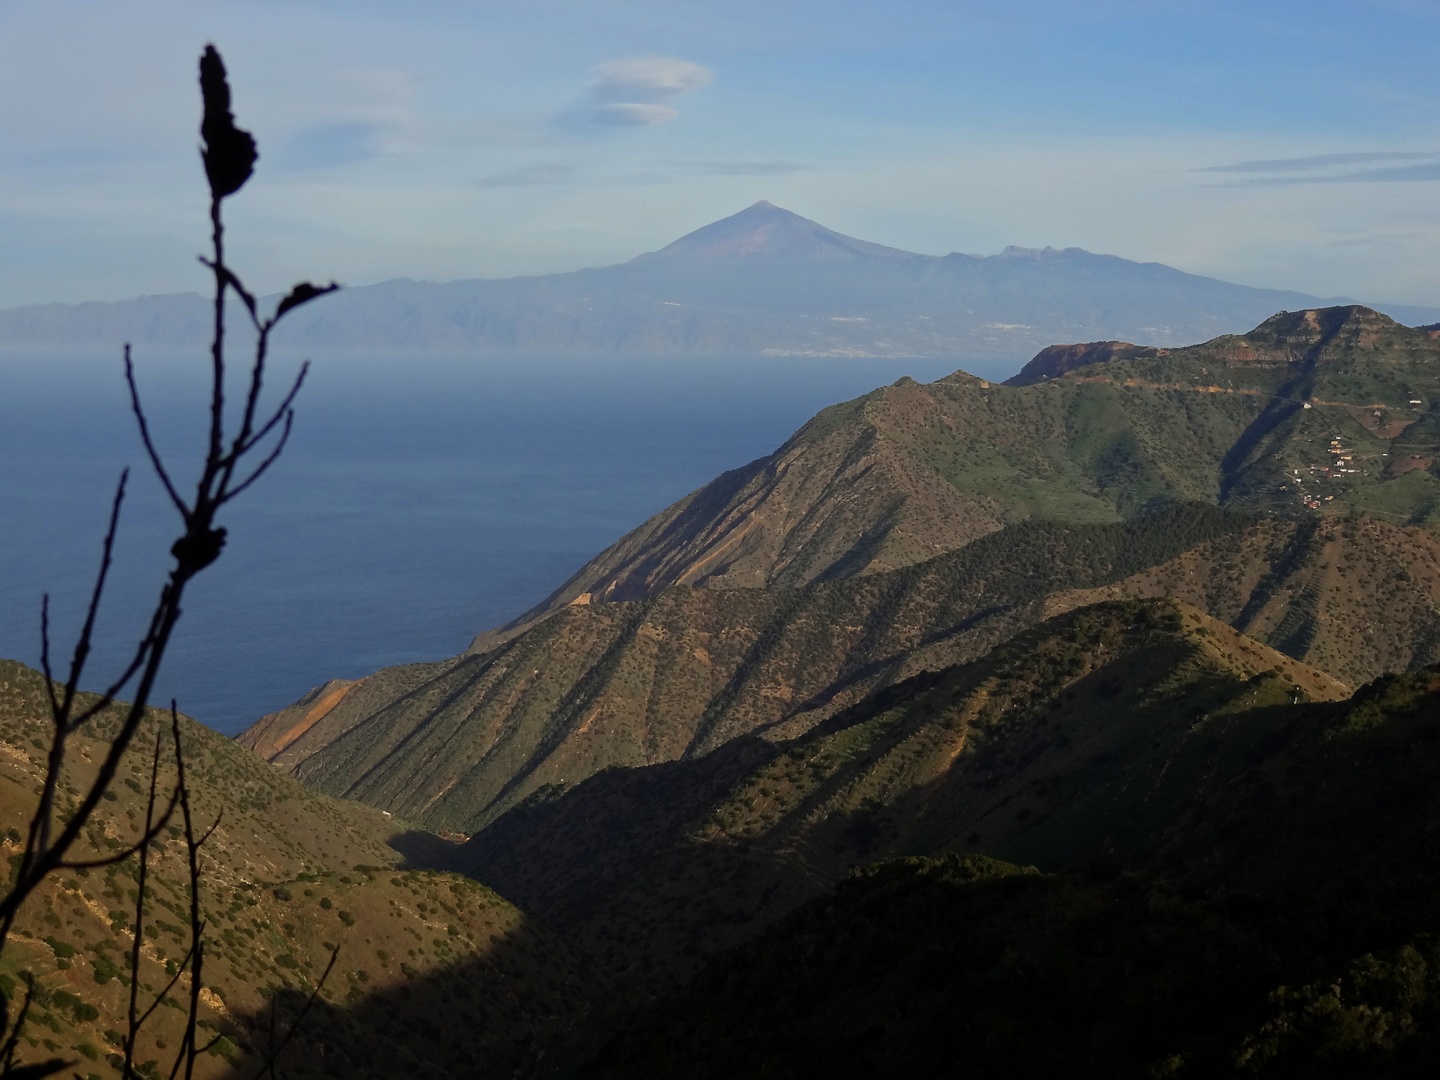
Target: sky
(1272,143)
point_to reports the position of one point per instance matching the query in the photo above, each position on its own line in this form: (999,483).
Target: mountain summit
(765,230)
(765,281)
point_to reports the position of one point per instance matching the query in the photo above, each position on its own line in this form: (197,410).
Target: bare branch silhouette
(138,927)
(229,155)
(272,1056)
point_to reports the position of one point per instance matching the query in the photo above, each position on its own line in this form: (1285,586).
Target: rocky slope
(457,743)
(1056,360)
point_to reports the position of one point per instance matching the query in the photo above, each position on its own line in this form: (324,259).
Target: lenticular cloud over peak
(639,90)
(649,79)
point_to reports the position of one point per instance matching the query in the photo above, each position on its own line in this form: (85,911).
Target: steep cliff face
(271,735)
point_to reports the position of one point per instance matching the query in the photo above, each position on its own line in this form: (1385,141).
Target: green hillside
(919,526)
(1109,616)
(1313,412)
(1143,733)
(1293,934)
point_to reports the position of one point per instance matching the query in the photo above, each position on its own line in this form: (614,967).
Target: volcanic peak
(767,230)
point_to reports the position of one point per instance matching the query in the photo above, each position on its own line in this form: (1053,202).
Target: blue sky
(1285,144)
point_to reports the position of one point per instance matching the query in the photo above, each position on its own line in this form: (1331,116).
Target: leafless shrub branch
(229,156)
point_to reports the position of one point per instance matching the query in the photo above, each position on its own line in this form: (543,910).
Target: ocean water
(422,500)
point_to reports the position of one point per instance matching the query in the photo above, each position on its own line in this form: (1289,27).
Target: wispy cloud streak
(1419,166)
(529,176)
(748,168)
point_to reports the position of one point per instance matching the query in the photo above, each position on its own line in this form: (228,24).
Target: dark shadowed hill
(1291,932)
(1057,747)
(964,966)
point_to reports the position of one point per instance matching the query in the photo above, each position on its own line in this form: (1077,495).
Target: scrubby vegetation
(961,965)
(288,876)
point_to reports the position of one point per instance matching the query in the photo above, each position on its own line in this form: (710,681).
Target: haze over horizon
(1288,148)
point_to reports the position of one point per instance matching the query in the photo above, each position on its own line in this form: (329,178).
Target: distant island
(764,281)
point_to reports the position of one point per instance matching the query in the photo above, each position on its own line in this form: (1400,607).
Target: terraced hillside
(287,876)
(454,745)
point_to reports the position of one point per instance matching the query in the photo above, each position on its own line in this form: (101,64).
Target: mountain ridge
(764,281)
(456,743)
(1043,737)
(909,470)
(918,526)
(764,229)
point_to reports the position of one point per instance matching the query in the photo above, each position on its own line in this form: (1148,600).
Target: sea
(421,499)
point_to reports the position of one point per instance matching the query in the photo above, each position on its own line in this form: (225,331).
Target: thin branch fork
(188,1051)
(272,1057)
(229,156)
(133,1025)
(198,546)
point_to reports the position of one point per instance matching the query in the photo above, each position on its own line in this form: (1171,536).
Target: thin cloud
(1319,161)
(1419,167)
(632,114)
(639,91)
(1398,174)
(529,176)
(650,79)
(749,168)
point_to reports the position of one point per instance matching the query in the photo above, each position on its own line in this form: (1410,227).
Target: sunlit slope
(1138,733)
(287,875)
(1326,411)
(676,675)
(1060,740)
